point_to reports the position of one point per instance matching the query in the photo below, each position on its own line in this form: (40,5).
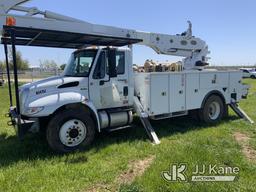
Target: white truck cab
(98,80)
(85,78)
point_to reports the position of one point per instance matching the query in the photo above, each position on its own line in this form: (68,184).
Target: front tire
(213,110)
(70,130)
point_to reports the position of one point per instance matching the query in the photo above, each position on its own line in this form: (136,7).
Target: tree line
(23,64)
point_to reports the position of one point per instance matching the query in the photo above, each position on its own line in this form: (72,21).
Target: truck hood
(48,92)
(51,82)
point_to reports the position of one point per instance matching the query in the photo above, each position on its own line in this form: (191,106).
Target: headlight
(34,110)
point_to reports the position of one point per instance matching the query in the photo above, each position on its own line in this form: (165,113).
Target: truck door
(108,92)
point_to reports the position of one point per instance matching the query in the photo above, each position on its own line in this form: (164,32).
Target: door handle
(122,80)
(126,91)
(102,83)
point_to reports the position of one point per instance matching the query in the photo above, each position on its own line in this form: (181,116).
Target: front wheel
(213,110)
(70,130)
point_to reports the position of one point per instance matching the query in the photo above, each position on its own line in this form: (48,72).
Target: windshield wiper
(69,76)
(75,75)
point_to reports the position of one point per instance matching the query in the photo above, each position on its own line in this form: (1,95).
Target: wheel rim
(214,110)
(72,133)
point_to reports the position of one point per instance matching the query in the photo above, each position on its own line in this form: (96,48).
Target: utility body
(99,89)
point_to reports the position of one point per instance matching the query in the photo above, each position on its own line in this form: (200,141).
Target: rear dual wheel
(213,110)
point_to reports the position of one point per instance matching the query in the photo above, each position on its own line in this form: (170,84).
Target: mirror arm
(102,82)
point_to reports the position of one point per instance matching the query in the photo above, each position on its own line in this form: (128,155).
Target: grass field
(118,157)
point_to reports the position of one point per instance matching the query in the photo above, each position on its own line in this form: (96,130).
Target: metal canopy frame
(17,119)
(61,39)
(13,36)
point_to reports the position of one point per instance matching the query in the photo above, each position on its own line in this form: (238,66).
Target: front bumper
(22,126)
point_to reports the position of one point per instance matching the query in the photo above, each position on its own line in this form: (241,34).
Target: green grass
(31,166)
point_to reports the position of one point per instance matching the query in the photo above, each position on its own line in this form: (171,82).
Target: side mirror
(112,63)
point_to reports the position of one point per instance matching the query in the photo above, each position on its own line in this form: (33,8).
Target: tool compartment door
(213,80)
(159,94)
(177,88)
(193,96)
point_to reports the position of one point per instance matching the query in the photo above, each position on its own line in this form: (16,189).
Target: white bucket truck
(99,90)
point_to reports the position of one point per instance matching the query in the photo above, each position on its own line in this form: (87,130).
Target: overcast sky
(227,26)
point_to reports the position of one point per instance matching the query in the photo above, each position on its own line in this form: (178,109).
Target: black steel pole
(8,73)
(15,71)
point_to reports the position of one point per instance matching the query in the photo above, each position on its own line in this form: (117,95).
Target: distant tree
(48,65)
(62,67)
(2,66)
(22,64)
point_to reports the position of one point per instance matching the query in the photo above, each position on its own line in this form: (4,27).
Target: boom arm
(193,49)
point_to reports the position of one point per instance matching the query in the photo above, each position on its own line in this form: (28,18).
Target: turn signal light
(10,21)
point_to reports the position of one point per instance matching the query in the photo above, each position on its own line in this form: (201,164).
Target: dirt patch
(248,151)
(241,138)
(136,169)
(99,188)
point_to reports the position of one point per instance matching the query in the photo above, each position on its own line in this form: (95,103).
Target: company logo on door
(200,173)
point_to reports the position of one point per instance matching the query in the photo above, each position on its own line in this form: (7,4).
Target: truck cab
(97,83)
(101,76)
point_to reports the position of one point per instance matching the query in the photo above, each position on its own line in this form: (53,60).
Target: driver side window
(120,63)
(99,72)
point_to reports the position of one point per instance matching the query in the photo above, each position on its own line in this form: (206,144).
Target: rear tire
(213,110)
(70,130)
(253,76)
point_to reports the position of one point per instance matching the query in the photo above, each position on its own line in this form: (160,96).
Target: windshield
(80,63)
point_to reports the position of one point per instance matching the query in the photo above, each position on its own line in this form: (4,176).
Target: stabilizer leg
(145,122)
(240,112)
(150,131)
